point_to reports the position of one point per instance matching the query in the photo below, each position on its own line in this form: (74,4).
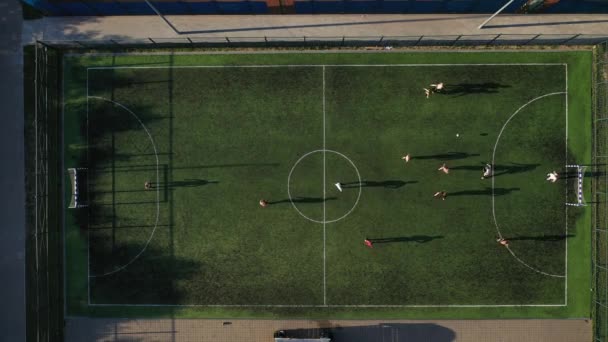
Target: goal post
(580,174)
(77,180)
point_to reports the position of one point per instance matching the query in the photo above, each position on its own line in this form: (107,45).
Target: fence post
(529,41)
(494,39)
(381,39)
(569,39)
(153,42)
(419,39)
(228,40)
(343,40)
(457,39)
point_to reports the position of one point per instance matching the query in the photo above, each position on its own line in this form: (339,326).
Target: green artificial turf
(214,141)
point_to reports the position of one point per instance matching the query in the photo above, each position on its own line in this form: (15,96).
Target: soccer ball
(457,135)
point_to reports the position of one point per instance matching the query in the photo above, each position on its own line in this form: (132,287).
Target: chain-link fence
(600,193)
(380,42)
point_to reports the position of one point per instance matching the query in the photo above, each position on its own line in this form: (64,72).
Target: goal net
(579,175)
(78,178)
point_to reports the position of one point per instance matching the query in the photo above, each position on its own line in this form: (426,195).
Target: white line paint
(493,182)
(157,189)
(332,306)
(289,186)
(324,202)
(309,65)
(336,65)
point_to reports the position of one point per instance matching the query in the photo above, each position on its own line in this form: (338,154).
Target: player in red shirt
(368,243)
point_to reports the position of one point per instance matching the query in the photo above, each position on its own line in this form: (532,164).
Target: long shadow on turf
(413,238)
(389,184)
(499,169)
(462,89)
(541,237)
(484,192)
(448,156)
(189,183)
(303,200)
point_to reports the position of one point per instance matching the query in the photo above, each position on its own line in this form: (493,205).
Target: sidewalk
(123,27)
(12,175)
(185,330)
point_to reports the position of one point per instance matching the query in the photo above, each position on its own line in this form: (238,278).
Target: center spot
(311,186)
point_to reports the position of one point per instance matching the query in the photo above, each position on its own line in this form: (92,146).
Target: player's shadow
(413,238)
(541,237)
(484,192)
(389,184)
(304,200)
(499,169)
(448,156)
(462,89)
(190,183)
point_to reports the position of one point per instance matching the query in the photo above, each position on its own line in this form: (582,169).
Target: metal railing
(341,41)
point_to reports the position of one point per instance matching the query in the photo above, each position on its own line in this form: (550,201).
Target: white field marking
(324,65)
(289,188)
(335,306)
(324,203)
(310,65)
(157,188)
(493,181)
(566,254)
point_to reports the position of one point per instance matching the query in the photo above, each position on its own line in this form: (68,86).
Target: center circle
(328,187)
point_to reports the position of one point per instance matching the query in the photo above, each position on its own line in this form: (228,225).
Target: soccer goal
(580,174)
(78,178)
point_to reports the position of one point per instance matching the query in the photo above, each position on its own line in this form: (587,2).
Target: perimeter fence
(44,237)
(600,193)
(372,42)
(45,287)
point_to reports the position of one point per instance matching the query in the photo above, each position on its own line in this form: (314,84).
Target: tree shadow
(462,89)
(484,192)
(448,156)
(189,183)
(413,238)
(389,184)
(541,238)
(303,200)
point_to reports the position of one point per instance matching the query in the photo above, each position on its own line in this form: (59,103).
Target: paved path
(12,183)
(117,27)
(83,329)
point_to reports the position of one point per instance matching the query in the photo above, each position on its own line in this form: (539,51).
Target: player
(488,171)
(339,186)
(552,177)
(148,185)
(441,194)
(407,157)
(444,168)
(427,92)
(367,242)
(503,242)
(437,87)
(263,203)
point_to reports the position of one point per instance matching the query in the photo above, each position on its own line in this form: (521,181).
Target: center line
(324,197)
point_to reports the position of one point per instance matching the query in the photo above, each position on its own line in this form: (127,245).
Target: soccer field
(215,134)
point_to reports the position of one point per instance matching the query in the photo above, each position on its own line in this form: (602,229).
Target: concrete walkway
(84,329)
(12,196)
(123,27)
